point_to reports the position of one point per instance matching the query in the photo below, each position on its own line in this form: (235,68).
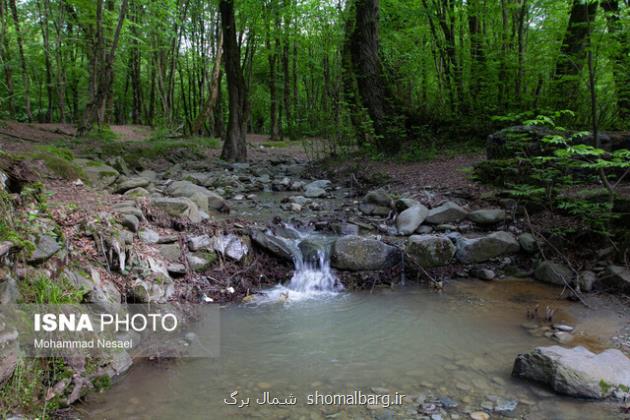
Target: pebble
(563,327)
(479,415)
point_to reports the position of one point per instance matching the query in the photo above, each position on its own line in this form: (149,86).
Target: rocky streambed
(211,232)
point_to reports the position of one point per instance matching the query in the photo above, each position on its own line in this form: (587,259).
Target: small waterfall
(313,277)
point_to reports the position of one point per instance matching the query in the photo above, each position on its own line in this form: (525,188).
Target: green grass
(277,144)
(43,290)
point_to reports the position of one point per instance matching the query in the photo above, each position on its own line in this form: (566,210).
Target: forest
(380,75)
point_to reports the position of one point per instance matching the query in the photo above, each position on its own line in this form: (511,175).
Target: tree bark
(5,57)
(235,144)
(573,54)
(272,60)
(25,78)
(44,13)
(286,93)
(207,111)
(620,57)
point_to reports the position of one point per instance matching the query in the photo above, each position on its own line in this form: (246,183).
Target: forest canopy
(366,72)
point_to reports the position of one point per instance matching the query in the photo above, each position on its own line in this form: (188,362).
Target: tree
(235,144)
(25,78)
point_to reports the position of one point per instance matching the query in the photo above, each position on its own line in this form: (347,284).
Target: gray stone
(446,213)
(487,216)
(178,207)
(137,193)
(430,250)
(99,291)
(617,278)
(314,192)
(97,173)
(8,350)
(119,163)
(424,229)
(586,280)
(355,253)
(130,221)
(149,236)
(231,246)
(276,245)
(324,184)
(176,268)
(134,211)
(205,199)
(403,204)
(9,292)
(45,248)
(409,220)
(483,273)
(195,243)
(378,198)
(131,183)
(170,252)
(553,273)
(202,260)
(298,199)
(528,243)
(484,248)
(577,371)
(374,210)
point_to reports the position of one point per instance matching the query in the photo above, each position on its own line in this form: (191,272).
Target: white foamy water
(311,279)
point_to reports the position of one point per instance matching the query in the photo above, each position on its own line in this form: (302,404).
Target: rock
(430,250)
(446,213)
(100,291)
(155,285)
(586,279)
(484,248)
(9,292)
(178,207)
(149,236)
(231,246)
(137,193)
(378,198)
(616,278)
(324,184)
(131,222)
(201,261)
(204,198)
(479,415)
(403,204)
(312,247)
(131,183)
(118,163)
(276,245)
(45,248)
(487,216)
(131,210)
(576,372)
(553,273)
(177,269)
(170,252)
(195,243)
(528,243)
(8,350)
(345,228)
(503,405)
(424,229)
(483,273)
(355,253)
(98,174)
(314,192)
(298,199)
(409,220)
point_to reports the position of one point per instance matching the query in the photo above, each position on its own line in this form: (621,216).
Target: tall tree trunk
(522,28)
(5,59)
(272,60)
(44,13)
(207,111)
(573,54)
(368,71)
(219,129)
(25,78)
(235,145)
(476,48)
(59,22)
(103,68)
(135,64)
(620,57)
(286,92)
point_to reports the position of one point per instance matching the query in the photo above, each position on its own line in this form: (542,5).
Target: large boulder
(355,253)
(45,248)
(430,250)
(448,212)
(377,203)
(99,291)
(8,349)
(617,278)
(97,173)
(178,207)
(553,273)
(484,248)
(487,216)
(408,220)
(276,245)
(127,184)
(576,372)
(204,198)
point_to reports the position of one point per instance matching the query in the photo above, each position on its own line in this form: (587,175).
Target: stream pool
(458,344)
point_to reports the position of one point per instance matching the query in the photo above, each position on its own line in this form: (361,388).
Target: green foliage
(44,290)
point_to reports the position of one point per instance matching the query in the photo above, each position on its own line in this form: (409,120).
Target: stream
(310,336)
